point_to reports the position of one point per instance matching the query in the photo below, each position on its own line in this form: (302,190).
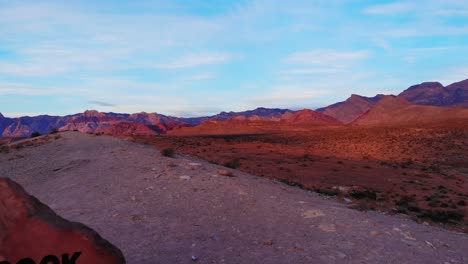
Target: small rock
(194,164)
(194,258)
(149,188)
(225,173)
(341,255)
(327,227)
(185,177)
(347,200)
(268,242)
(312,213)
(430,244)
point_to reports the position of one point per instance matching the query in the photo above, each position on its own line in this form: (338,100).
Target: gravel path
(163,210)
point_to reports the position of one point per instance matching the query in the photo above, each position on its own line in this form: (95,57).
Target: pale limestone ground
(162,210)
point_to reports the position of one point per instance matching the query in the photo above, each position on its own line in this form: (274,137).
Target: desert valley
(397,163)
(233,132)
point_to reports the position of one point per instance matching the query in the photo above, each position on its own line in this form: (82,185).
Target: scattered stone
(347,200)
(327,227)
(312,213)
(29,229)
(149,188)
(225,173)
(268,242)
(185,177)
(430,244)
(194,258)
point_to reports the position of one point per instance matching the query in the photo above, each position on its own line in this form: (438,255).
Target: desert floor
(158,209)
(419,171)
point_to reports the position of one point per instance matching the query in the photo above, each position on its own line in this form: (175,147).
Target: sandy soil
(167,210)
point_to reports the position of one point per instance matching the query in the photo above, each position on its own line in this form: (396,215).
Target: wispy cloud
(194,60)
(390,8)
(420,8)
(100,103)
(327,57)
(201,76)
(288,96)
(322,61)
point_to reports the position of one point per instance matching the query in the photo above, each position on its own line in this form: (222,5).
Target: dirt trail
(163,210)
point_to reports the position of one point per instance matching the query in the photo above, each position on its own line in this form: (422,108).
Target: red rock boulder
(30,232)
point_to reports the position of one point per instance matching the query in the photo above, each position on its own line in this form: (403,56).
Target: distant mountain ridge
(426,93)
(94,121)
(355,110)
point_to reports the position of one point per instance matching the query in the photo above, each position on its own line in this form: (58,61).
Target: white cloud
(287,96)
(388,9)
(201,76)
(321,62)
(194,60)
(304,71)
(325,57)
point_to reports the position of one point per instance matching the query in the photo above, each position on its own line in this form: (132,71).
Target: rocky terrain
(419,170)
(160,209)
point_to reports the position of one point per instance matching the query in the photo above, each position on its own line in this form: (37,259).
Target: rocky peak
(92,113)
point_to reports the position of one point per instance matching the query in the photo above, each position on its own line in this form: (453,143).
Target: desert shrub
(443,216)
(434,203)
(405,200)
(35,134)
(363,206)
(366,194)
(4,149)
(168,152)
(327,191)
(292,183)
(461,203)
(406,164)
(233,164)
(53,130)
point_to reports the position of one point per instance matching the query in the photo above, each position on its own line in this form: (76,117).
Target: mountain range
(428,101)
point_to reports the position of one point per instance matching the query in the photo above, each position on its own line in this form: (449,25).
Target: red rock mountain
(350,109)
(310,117)
(434,93)
(392,110)
(129,129)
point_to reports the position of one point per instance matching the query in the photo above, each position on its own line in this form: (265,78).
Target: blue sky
(191,58)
